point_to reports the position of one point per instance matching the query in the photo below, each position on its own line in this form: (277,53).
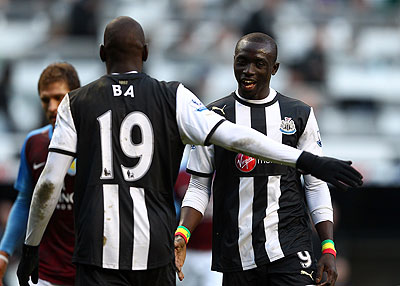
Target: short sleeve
(201,161)
(195,122)
(24,179)
(64,138)
(310,140)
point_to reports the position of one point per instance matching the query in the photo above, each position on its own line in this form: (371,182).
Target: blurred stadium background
(342,57)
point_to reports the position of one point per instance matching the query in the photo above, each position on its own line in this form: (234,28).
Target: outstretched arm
(253,143)
(200,126)
(46,195)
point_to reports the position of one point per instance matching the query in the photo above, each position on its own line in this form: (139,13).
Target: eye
(261,64)
(45,100)
(240,61)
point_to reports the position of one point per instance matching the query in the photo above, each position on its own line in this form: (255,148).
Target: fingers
(346,180)
(318,276)
(346,176)
(23,281)
(180,275)
(347,166)
(339,185)
(178,270)
(35,275)
(326,264)
(180,255)
(351,172)
(330,281)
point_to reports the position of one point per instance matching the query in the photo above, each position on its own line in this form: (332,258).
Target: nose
(249,69)
(53,105)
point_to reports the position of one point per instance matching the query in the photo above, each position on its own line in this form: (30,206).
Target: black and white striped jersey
(260,213)
(128,133)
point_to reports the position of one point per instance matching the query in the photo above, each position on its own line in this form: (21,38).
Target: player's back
(128,153)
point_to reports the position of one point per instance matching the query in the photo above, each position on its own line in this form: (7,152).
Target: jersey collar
(271,96)
(129,72)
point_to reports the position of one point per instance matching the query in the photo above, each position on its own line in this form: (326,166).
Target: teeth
(248,81)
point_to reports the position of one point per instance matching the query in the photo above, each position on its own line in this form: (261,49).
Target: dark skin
(124,47)
(254,64)
(327,262)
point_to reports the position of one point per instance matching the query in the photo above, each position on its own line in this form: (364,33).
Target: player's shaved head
(124,44)
(268,44)
(123,35)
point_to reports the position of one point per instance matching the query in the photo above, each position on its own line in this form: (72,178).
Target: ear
(145,52)
(275,68)
(102,53)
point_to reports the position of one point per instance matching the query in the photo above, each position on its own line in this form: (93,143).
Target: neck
(261,94)
(124,67)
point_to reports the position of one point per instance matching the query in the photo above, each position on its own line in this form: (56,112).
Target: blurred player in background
(55,264)
(127,131)
(262,233)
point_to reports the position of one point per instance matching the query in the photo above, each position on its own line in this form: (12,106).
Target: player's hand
(337,172)
(29,265)
(180,256)
(327,264)
(3,267)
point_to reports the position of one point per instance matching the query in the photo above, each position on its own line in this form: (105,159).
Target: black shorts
(89,275)
(298,269)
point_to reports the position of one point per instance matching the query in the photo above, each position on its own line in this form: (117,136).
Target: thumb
(318,275)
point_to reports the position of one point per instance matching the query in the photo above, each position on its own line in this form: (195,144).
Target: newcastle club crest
(287,126)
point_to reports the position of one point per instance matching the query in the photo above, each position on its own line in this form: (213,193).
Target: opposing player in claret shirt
(261,229)
(55,264)
(127,131)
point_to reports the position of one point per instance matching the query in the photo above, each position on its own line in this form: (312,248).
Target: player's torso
(129,151)
(265,201)
(58,241)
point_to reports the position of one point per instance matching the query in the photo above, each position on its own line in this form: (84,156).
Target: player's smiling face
(51,96)
(253,66)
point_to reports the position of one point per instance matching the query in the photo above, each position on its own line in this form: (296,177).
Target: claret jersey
(55,252)
(128,132)
(260,213)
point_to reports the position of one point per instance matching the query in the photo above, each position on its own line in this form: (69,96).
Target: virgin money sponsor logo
(245,163)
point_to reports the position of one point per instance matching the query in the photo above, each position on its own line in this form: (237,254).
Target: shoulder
(170,86)
(40,132)
(36,140)
(86,88)
(283,99)
(166,85)
(222,104)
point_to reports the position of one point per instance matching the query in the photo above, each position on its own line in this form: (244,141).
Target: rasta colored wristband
(328,246)
(184,232)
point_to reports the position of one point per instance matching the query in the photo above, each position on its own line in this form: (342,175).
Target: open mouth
(248,83)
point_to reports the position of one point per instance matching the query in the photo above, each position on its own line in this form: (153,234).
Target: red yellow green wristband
(328,246)
(184,232)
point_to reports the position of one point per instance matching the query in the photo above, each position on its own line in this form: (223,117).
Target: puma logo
(37,166)
(308,274)
(221,109)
